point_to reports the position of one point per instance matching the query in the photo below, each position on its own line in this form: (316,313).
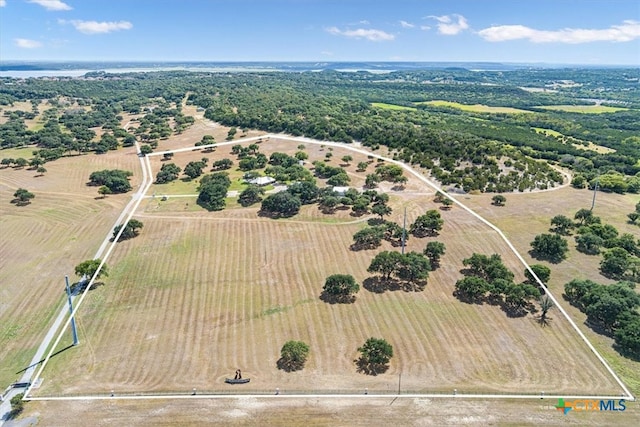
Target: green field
(385,106)
(476,108)
(588,109)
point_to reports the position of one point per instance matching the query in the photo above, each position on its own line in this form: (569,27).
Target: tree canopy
(551,247)
(375,355)
(293,356)
(340,288)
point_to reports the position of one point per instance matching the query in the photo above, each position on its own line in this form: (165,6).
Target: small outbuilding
(341,191)
(262,181)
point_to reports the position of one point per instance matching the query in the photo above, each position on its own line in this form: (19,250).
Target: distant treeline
(469,150)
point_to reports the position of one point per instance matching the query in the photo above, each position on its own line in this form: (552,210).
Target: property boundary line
(144,188)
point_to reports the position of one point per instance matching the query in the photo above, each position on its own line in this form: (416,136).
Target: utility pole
(74,331)
(404,229)
(595,190)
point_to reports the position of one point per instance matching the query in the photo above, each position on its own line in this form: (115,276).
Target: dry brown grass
(42,242)
(198,295)
(322,412)
(526,215)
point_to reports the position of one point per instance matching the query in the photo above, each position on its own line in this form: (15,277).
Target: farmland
(476,108)
(199,294)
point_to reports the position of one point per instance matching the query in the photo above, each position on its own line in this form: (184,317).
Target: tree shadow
(337,299)
(514,311)
(626,353)
(467,299)
(289,365)
(365,367)
(327,210)
(380,285)
(355,247)
(544,321)
(19,202)
(375,221)
(79,287)
(543,257)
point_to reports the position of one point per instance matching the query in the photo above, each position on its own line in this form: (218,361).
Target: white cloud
(405,24)
(362,33)
(95,27)
(3,3)
(52,4)
(425,27)
(326,53)
(629,30)
(28,44)
(364,22)
(450,25)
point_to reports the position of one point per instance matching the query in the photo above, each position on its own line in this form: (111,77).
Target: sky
(590,32)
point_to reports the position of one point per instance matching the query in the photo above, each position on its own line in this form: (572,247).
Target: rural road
(27,376)
(146,183)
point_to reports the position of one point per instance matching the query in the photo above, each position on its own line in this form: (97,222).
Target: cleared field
(386,106)
(43,241)
(577,143)
(322,412)
(588,109)
(476,108)
(198,295)
(526,215)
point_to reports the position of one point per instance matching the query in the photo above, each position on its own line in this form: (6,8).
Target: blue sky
(532,31)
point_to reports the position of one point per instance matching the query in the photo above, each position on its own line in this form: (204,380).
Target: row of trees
(116,180)
(611,308)
(488,279)
(620,252)
(375,355)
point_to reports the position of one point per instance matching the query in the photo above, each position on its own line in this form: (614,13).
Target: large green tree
(89,267)
(213,191)
(293,356)
(550,247)
(434,251)
(251,195)
(117,180)
(368,238)
(427,225)
(375,355)
(22,197)
(282,204)
(340,288)
(131,230)
(561,224)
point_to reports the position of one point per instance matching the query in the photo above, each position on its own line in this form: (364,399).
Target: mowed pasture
(526,215)
(200,294)
(43,241)
(311,411)
(586,109)
(475,108)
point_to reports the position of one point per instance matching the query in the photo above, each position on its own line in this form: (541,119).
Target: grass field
(588,109)
(576,142)
(248,411)
(476,108)
(43,241)
(536,210)
(200,294)
(386,106)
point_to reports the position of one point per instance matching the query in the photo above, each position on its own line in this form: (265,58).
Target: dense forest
(472,150)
